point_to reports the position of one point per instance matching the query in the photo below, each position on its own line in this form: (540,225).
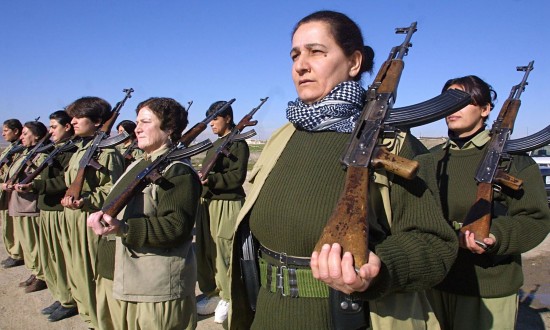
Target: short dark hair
(62,118)
(172,115)
(225,113)
(347,35)
(13,124)
(94,108)
(37,128)
(481,92)
(129,127)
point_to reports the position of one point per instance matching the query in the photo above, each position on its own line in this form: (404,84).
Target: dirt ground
(19,310)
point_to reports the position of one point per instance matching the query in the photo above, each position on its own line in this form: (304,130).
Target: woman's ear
(355,61)
(486,111)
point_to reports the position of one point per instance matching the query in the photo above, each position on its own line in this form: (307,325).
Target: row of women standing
(145,267)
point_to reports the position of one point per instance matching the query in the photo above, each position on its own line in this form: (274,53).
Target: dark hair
(94,108)
(226,112)
(62,118)
(128,126)
(14,124)
(37,128)
(347,35)
(481,92)
(171,114)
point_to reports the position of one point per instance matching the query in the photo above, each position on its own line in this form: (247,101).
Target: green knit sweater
(521,220)
(178,197)
(298,198)
(225,180)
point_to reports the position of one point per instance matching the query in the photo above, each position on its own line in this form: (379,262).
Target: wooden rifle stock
(114,208)
(480,213)
(348,224)
(88,159)
(478,219)
(224,147)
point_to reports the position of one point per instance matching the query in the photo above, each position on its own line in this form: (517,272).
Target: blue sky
(54,52)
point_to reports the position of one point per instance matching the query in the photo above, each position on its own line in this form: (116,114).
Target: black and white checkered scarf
(338,111)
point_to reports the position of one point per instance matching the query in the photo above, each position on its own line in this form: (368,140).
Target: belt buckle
(280,279)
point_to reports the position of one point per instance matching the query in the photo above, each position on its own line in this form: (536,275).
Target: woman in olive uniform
(53,229)
(23,207)
(88,115)
(11,131)
(146,280)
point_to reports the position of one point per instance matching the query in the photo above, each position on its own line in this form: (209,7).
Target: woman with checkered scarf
(296,184)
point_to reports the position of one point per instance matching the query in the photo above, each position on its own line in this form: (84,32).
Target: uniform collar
(478,141)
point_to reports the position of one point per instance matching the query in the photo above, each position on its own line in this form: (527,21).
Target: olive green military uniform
(151,285)
(11,242)
(83,242)
(221,201)
(23,207)
(296,184)
(480,291)
(53,228)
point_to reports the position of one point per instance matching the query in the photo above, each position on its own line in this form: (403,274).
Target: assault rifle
(128,153)
(348,224)
(67,146)
(199,127)
(101,140)
(226,144)
(490,172)
(152,173)
(17,147)
(27,161)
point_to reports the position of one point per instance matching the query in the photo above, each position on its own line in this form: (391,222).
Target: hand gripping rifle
(101,140)
(27,161)
(490,173)
(65,147)
(152,173)
(232,137)
(348,224)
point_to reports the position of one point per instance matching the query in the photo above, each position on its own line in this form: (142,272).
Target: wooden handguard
(400,166)
(504,179)
(76,186)
(347,224)
(478,219)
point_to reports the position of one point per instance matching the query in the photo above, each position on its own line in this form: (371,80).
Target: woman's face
(9,134)
(59,132)
(149,135)
(467,120)
(319,64)
(84,126)
(221,125)
(27,138)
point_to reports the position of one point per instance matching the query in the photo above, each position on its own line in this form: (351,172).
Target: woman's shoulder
(178,168)
(412,147)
